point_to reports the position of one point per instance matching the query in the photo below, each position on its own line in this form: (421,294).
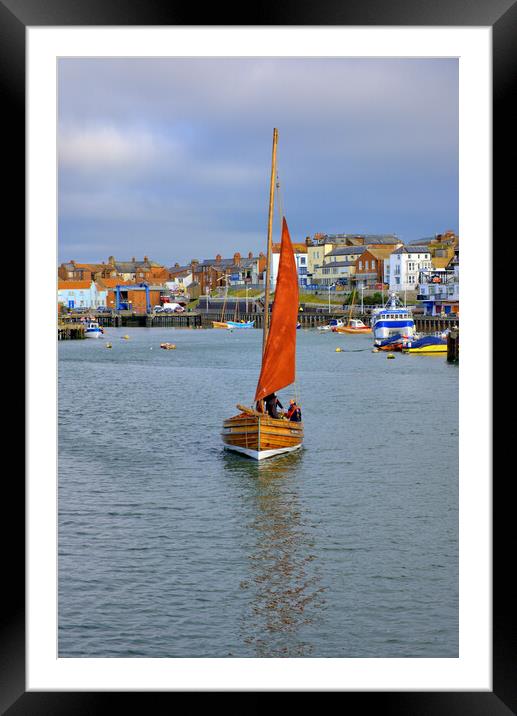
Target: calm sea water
(170,546)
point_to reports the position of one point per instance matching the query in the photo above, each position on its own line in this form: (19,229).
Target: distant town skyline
(170,158)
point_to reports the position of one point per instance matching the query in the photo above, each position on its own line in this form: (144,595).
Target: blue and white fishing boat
(93,330)
(392,319)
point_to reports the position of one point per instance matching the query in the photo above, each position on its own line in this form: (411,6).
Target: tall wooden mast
(269,241)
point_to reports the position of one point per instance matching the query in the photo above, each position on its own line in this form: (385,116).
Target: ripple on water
(171,546)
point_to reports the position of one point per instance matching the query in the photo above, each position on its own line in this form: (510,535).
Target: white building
(439,289)
(334,271)
(404,266)
(300,256)
(81,294)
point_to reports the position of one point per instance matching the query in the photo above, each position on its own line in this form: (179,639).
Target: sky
(170,158)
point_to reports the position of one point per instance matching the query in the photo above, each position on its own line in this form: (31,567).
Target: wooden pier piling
(70,331)
(453,346)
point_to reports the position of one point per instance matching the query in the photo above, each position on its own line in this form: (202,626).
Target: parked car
(172,308)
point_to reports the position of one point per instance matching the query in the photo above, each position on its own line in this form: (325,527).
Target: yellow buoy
(338,350)
(126,337)
(108,345)
(390,355)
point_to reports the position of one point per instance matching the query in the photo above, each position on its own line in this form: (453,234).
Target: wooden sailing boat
(252,432)
(354,325)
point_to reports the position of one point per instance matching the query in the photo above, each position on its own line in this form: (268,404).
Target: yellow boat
(219,324)
(427,349)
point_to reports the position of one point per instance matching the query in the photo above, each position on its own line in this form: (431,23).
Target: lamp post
(332,285)
(208,288)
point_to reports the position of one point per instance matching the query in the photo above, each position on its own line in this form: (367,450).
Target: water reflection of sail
(283,585)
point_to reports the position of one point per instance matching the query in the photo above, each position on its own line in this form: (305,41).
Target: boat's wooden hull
(219,324)
(260,436)
(391,347)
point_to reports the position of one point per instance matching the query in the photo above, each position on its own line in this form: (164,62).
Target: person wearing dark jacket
(272,403)
(294,413)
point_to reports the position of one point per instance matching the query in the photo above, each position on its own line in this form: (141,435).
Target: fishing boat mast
(265,329)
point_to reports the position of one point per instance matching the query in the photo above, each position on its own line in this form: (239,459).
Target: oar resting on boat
(249,411)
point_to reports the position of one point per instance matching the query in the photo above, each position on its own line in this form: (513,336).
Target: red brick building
(369,266)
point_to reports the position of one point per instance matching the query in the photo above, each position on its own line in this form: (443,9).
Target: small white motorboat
(93,330)
(332,325)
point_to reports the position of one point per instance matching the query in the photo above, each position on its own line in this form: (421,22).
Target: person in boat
(294,413)
(272,403)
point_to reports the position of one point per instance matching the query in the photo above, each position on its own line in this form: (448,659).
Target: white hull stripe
(256,455)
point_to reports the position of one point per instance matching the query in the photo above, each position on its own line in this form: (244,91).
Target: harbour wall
(203,319)
(70,331)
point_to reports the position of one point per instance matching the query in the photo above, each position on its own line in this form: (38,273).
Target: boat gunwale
(266,422)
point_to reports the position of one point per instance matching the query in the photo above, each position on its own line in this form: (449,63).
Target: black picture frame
(501,16)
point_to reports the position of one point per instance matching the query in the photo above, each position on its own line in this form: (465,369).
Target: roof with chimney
(365,239)
(219,263)
(297,248)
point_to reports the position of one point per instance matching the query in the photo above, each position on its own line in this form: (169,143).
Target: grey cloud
(182,146)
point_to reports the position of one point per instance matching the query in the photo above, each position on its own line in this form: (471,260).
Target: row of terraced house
(427,268)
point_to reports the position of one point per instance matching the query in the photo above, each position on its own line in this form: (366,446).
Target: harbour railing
(310,317)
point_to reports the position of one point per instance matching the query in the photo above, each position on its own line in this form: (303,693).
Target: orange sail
(279,357)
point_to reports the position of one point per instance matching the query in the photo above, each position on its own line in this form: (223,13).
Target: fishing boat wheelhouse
(392,319)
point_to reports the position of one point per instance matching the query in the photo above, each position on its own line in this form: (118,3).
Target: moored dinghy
(253,432)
